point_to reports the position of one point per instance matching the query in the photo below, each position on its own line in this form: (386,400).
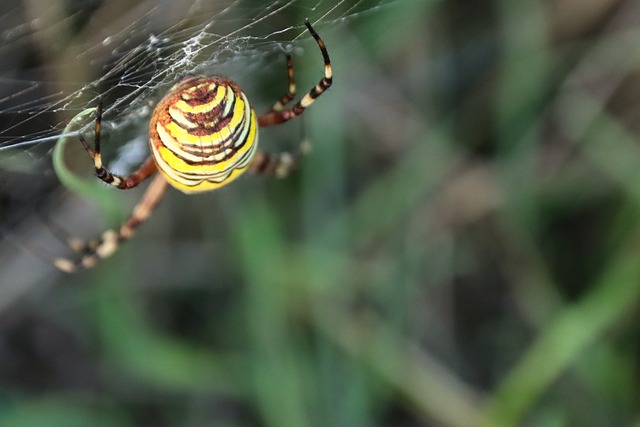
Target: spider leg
(288,97)
(104,246)
(279,165)
(74,243)
(275,116)
(145,170)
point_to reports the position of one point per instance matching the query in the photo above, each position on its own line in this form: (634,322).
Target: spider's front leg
(278,114)
(281,164)
(291,92)
(145,170)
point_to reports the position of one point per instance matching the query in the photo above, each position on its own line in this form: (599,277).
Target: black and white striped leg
(147,169)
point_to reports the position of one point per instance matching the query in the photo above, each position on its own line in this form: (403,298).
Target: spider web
(61,58)
(62,62)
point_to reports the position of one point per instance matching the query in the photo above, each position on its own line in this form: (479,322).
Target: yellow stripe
(207,177)
(193,184)
(178,116)
(202,108)
(184,137)
(205,152)
(231,97)
(174,162)
(205,185)
(186,94)
(178,164)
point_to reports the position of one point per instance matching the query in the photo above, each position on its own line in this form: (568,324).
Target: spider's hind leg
(75,244)
(281,164)
(92,251)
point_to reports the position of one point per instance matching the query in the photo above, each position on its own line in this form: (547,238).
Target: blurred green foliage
(461,248)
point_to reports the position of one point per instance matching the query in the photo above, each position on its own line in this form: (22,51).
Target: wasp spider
(203,134)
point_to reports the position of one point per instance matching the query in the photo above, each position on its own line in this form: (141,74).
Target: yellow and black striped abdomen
(203,134)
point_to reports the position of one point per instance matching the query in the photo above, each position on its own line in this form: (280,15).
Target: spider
(203,134)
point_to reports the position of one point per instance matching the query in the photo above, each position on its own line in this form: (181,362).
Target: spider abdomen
(203,134)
